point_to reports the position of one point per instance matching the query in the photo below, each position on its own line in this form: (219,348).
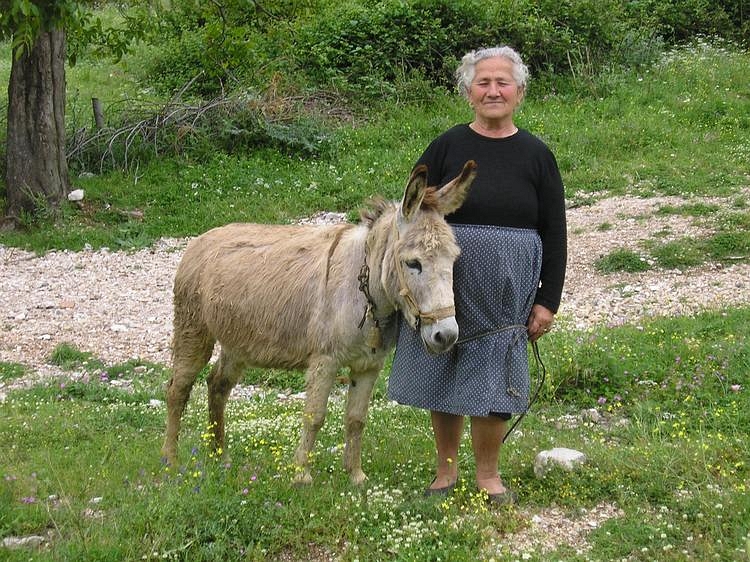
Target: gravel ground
(117,305)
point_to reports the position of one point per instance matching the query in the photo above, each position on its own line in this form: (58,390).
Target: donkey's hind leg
(190,352)
(320,377)
(224,376)
(357,404)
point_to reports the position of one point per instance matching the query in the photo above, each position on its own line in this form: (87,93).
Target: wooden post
(98,113)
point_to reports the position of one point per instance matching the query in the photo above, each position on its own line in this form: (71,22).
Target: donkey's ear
(414,193)
(452,195)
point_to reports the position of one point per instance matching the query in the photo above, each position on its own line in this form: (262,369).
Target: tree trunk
(37,170)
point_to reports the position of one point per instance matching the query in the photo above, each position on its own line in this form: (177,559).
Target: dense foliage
(366,48)
(286,67)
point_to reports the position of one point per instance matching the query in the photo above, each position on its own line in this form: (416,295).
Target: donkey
(314,297)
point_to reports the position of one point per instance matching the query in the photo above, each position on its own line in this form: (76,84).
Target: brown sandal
(445,491)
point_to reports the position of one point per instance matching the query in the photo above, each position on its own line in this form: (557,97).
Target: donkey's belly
(260,341)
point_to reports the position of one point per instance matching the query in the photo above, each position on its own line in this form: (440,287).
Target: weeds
(621,260)
(11,371)
(668,450)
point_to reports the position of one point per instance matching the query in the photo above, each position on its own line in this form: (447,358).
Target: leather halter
(422,317)
(427,318)
(411,303)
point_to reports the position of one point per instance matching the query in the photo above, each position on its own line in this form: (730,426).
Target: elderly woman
(508,279)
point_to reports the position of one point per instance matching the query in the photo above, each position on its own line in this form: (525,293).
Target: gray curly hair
(466,71)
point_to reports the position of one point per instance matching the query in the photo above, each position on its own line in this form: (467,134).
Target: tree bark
(36,166)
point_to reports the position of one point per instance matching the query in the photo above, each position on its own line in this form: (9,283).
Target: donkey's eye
(414,264)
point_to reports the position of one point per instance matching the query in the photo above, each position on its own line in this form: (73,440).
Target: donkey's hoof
(357,477)
(303,478)
(168,457)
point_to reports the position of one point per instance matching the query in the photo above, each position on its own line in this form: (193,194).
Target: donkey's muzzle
(439,336)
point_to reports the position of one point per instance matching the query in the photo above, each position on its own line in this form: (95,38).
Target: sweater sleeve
(552,229)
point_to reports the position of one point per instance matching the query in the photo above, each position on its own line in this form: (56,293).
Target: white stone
(592,415)
(32,541)
(76,195)
(567,459)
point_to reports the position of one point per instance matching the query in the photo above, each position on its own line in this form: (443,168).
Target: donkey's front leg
(320,377)
(357,403)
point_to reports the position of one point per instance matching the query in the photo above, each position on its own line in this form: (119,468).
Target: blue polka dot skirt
(487,372)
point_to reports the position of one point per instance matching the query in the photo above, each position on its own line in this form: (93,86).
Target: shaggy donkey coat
(290,297)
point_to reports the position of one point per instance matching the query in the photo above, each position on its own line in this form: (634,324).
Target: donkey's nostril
(446,338)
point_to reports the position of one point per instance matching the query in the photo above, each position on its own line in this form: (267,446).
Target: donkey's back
(258,290)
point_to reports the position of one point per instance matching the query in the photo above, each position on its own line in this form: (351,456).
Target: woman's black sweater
(518,185)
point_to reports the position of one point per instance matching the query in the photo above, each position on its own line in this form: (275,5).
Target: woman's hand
(540,321)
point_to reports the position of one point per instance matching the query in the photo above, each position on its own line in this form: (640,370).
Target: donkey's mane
(377,206)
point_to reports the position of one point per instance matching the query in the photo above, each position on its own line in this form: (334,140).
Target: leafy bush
(204,59)
(621,260)
(678,21)
(368,48)
(217,46)
(362,48)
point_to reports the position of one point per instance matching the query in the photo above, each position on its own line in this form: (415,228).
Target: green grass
(728,243)
(81,463)
(678,128)
(11,371)
(656,132)
(622,259)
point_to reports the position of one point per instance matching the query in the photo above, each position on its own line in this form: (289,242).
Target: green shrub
(362,47)
(621,260)
(218,46)
(680,254)
(204,59)
(678,21)
(366,48)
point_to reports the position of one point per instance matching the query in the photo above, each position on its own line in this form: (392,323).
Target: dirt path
(117,305)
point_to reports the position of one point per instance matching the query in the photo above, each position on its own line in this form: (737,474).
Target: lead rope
(541,369)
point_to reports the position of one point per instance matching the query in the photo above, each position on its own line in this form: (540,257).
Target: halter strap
(430,317)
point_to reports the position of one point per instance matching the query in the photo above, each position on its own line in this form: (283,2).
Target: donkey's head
(424,249)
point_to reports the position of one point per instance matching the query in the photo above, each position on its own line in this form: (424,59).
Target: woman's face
(494,93)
